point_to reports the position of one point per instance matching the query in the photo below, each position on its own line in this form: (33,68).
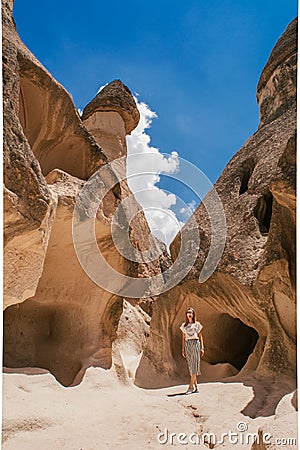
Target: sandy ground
(101,412)
(107,411)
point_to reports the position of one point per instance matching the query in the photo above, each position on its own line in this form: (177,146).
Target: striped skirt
(192,351)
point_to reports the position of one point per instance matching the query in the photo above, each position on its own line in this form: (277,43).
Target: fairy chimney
(110,116)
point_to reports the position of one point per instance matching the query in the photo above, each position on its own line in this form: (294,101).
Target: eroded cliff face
(276,85)
(55,316)
(248,305)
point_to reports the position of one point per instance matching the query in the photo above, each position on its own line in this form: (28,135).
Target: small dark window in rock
(247,170)
(263,212)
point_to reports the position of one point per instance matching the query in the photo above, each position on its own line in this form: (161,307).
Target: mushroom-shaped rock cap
(284,48)
(276,89)
(115,97)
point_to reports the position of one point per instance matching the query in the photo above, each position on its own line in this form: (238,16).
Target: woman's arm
(201,342)
(182,344)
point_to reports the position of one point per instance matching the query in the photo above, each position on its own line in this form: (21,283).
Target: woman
(192,346)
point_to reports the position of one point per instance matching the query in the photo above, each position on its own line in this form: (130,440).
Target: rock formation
(248,305)
(56,317)
(42,131)
(114,98)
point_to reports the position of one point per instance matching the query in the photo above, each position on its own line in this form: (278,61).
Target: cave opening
(233,342)
(263,212)
(243,344)
(247,170)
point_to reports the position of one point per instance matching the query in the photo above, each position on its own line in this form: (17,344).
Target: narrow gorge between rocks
(62,325)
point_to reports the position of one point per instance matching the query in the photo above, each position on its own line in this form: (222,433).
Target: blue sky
(195,63)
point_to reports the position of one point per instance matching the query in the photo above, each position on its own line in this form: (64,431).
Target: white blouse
(191,330)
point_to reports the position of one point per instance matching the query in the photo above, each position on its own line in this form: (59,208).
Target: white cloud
(161,218)
(188,210)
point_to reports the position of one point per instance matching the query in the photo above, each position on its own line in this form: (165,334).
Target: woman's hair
(186,317)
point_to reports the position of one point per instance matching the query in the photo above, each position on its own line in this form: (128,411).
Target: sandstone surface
(56,316)
(72,346)
(248,304)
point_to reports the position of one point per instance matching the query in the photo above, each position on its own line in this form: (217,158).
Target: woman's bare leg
(193,379)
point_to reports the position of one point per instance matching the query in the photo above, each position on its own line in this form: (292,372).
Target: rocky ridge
(58,319)
(248,304)
(55,316)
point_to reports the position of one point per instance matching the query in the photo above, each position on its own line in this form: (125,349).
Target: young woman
(192,346)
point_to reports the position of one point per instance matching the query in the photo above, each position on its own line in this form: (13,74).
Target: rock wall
(27,199)
(55,316)
(248,305)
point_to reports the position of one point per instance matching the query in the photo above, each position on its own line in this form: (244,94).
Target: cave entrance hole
(235,342)
(263,212)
